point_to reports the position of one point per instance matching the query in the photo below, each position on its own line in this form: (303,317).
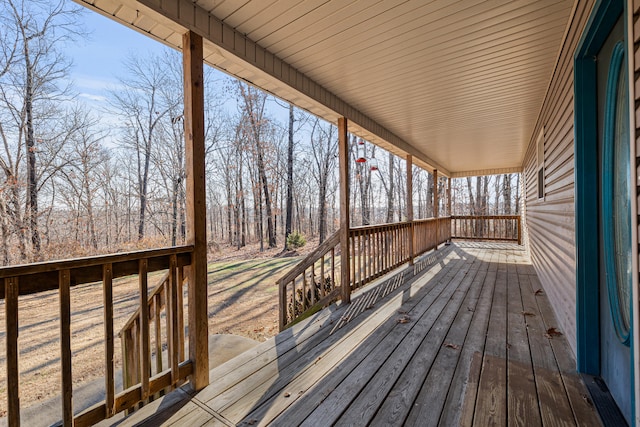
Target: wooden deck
(469,339)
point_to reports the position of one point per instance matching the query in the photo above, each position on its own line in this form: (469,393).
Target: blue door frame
(601,21)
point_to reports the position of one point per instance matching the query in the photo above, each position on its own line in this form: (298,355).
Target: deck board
(463,341)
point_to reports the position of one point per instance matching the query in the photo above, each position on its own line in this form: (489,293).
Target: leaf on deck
(528,313)
(403,319)
(552,332)
(451,345)
(539,292)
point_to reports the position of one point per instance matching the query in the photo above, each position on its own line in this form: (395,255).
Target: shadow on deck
(466,337)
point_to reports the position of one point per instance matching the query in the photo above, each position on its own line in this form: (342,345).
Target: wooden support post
(196,207)
(410,207)
(436,200)
(64,281)
(343,154)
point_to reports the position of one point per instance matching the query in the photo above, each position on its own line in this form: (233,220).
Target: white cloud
(92,97)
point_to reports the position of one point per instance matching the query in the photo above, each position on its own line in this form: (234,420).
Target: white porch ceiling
(457,84)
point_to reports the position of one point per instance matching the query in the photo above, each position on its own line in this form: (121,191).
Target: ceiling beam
(484,172)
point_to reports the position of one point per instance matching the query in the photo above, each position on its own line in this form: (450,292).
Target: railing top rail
(44,276)
(158,289)
(69,264)
(485,216)
(312,257)
(394,224)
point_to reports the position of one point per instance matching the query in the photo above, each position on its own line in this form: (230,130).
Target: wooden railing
(164,303)
(63,275)
(374,251)
(313,283)
(487,227)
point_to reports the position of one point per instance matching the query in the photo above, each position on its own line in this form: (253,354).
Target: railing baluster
(172,313)
(11,320)
(64,282)
(180,284)
(157,307)
(107,300)
(144,328)
(352,258)
(333,269)
(323,289)
(313,283)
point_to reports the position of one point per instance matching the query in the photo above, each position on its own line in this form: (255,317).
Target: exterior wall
(550,222)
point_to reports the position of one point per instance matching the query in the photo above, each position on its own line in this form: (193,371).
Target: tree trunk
(472,202)
(390,191)
(174,213)
(32,179)
(289,214)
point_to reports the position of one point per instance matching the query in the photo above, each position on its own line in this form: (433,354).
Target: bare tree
(324,146)
(32,71)
(142,106)
(254,109)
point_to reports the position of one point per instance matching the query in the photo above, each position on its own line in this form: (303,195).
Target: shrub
(296,240)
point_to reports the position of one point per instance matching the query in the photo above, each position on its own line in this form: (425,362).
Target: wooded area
(79,181)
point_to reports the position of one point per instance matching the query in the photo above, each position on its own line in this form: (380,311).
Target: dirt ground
(242,300)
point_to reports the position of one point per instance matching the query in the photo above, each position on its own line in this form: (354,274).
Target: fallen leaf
(539,292)
(453,346)
(528,313)
(286,395)
(252,422)
(586,399)
(508,346)
(553,332)
(403,319)
(471,309)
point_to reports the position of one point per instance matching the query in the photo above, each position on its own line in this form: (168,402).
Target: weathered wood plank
(302,378)
(466,378)
(584,411)
(491,404)
(420,392)
(552,398)
(522,401)
(297,341)
(371,380)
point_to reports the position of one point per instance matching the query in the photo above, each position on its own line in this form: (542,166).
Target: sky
(98,60)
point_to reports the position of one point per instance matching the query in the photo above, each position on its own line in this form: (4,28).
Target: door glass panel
(617,196)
